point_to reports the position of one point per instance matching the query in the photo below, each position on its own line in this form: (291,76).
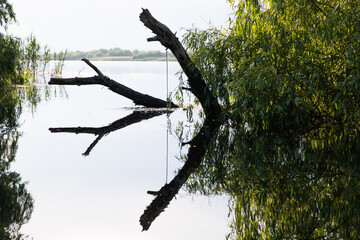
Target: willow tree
(287,66)
(287,74)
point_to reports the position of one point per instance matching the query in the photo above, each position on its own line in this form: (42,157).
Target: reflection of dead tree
(135,117)
(198,146)
(137,97)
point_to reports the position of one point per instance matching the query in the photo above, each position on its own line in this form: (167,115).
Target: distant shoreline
(130,58)
(118,54)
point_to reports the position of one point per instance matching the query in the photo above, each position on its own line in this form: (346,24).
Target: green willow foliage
(16,204)
(9,48)
(287,75)
(9,60)
(287,66)
(282,189)
(7,14)
(20,61)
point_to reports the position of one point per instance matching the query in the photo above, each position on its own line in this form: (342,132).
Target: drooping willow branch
(100,79)
(100,132)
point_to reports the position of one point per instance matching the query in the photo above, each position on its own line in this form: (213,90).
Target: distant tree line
(118,54)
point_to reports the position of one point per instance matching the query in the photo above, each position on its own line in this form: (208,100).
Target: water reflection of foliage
(20,63)
(281,188)
(15,201)
(16,204)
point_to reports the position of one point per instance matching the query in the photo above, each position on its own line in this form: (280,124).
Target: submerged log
(100,79)
(196,82)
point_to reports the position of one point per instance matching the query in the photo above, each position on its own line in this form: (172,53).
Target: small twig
(186,88)
(153,39)
(186,143)
(317,6)
(155,193)
(93,67)
(325,4)
(92,145)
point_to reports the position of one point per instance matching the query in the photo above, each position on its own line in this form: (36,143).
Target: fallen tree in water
(195,80)
(198,87)
(100,79)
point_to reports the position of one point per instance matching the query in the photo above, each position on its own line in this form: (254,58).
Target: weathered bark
(135,117)
(137,97)
(198,146)
(197,84)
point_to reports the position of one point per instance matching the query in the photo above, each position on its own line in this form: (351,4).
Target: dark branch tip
(153,39)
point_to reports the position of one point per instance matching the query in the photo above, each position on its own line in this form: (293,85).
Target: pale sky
(92,24)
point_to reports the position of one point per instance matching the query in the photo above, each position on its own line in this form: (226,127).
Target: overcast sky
(93,24)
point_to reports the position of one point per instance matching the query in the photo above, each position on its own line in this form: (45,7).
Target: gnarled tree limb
(137,97)
(198,86)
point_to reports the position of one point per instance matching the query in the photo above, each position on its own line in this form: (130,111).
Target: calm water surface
(103,195)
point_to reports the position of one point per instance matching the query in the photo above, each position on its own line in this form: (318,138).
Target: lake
(96,164)
(103,195)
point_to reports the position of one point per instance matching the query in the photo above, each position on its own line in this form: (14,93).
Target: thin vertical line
(167,153)
(167,127)
(167,76)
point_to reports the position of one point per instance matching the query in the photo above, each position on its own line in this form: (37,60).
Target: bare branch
(137,97)
(93,67)
(92,145)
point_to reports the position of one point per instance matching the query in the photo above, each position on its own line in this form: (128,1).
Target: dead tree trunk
(137,97)
(197,84)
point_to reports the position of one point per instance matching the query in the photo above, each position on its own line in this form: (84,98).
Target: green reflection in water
(300,188)
(16,203)
(20,62)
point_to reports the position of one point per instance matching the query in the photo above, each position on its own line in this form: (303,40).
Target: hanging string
(167,152)
(167,75)
(168,123)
